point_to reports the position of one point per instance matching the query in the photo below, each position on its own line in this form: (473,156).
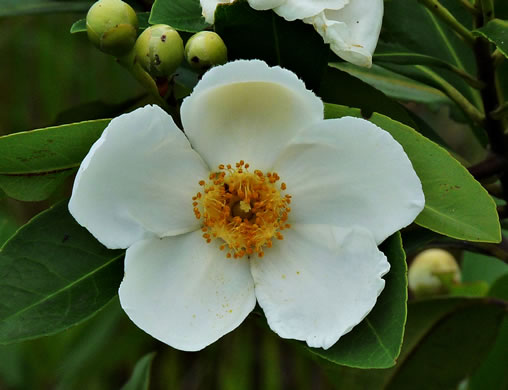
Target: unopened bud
(205,49)
(159,50)
(432,272)
(112,26)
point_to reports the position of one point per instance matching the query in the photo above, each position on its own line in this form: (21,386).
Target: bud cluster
(112,26)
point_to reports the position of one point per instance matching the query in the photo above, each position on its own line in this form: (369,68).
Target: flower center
(244,209)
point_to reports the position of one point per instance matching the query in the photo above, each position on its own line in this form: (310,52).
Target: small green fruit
(159,50)
(205,49)
(112,26)
(430,269)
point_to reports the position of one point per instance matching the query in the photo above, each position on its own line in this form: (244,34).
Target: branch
(499,251)
(491,166)
(453,93)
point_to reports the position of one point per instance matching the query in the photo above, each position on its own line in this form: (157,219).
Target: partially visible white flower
(261,200)
(351,27)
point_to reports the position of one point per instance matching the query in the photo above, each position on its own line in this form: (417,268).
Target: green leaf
(7,226)
(386,53)
(499,288)
(335,85)
(31,7)
(476,267)
(80,25)
(449,345)
(416,238)
(492,373)
(394,85)
(496,31)
(251,34)
(33,188)
(34,163)
(456,205)
(183,15)
(376,341)
(140,379)
(53,274)
(501,8)
(403,24)
(445,341)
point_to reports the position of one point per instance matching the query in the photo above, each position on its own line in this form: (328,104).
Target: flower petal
(348,172)
(319,282)
(208,8)
(352,31)
(185,292)
(262,5)
(247,111)
(300,9)
(138,179)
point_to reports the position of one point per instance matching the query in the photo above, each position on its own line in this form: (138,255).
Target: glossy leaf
(53,274)
(445,340)
(250,34)
(456,205)
(403,24)
(31,7)
(140,379)
(371,90)
(496,31)
(335,88)
(80,25)
(34,163)
(183,15)
(376,341)
(394,54)
(394,85)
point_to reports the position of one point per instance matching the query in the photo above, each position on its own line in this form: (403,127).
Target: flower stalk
(470,7)
(500,112)
(467,107)
(442,13)
(487,10)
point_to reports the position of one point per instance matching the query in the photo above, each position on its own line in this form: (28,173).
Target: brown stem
(502,211)
(499,251)
(494,164)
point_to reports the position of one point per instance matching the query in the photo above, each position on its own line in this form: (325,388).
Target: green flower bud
(159,50)
(432,271)
(112,26)
(205,49)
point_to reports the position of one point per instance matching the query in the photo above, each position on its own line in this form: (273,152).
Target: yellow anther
(242,209)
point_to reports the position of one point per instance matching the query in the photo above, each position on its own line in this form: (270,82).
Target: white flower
(351,27)
(294,223)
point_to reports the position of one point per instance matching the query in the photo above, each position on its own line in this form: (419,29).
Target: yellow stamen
(244,210)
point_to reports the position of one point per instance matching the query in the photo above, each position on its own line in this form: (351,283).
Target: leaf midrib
(47,171)
(453,53)
(59,291)
(421,339)
(458,222)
